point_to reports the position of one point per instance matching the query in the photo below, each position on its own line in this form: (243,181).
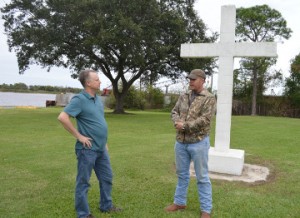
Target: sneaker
(90,216)
(175,207)
(113,209)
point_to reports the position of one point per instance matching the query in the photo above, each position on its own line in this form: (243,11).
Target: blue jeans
(100,162)
(198,153)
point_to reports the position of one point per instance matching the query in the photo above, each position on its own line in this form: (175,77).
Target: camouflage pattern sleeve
(175,113)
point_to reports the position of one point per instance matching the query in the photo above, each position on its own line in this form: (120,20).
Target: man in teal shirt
(91,150)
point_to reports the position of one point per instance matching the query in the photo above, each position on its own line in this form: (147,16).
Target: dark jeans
(100,162)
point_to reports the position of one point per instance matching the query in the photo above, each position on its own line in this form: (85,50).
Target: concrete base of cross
(228,162)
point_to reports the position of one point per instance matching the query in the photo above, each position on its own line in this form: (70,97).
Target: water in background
(12,99)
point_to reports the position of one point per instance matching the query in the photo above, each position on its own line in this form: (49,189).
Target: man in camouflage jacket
(192,117)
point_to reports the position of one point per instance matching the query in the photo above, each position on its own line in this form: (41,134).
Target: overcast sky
(209,11)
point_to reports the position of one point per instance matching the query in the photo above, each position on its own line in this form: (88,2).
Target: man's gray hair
(84,76)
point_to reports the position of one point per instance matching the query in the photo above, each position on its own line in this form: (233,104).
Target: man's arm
(175,115)
(65,120)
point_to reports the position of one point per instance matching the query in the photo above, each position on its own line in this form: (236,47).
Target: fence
(269,106)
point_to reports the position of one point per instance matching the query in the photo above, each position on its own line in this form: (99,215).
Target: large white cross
(223,159)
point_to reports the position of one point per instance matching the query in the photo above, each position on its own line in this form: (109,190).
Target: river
(14,99)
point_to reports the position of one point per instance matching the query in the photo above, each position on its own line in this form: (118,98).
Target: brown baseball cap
(196,73)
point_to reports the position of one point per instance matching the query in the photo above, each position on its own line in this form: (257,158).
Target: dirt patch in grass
(251,174)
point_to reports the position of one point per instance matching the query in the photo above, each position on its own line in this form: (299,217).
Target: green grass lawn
(38,167)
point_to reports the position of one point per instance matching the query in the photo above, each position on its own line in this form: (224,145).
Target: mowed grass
(38,167)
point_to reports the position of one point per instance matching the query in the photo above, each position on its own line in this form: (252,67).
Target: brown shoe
(205,215)
(113,209)
(175,207)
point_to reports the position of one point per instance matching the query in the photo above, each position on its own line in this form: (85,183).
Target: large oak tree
(124,39)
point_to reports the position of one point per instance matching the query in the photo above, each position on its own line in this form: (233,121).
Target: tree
(243,82)
(258,24)
(124,39)
(292,85)
(20,86)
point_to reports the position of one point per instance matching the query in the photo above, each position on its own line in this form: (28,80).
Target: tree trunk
(119,108)
(120,97)
(254,93)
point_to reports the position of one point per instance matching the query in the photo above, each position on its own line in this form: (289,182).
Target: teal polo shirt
(89,113)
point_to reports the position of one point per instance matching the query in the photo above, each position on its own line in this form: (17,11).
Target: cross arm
(195,50)
(244,49)
(258,49)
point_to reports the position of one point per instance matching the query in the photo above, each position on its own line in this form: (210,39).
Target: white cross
(226,50)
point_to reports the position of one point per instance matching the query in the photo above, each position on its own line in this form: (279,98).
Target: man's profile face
(94,82)
(197,84)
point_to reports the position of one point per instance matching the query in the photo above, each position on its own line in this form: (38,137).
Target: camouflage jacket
(196,115)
